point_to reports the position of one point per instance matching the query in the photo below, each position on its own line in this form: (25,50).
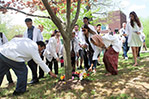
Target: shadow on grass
(127,84)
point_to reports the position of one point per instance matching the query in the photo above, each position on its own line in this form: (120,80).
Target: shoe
(126,58)
(15,93)
(34,81)
(98,64)
(81,67)
(10,85)
(41,77)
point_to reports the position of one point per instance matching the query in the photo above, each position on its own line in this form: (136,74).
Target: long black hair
(136,19)
(89,30)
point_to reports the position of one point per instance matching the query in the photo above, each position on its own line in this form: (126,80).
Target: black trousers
(73,63)
(86,65)
(41,72)
(33,67)
(55,65)
(9,78)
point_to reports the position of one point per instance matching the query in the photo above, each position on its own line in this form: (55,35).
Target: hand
(84,46)
(138,33)
(78,54)
(90,69)
(124,34)
(57,59)
(52,74)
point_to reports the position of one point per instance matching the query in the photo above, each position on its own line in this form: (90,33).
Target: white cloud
(137,7)
(125,3)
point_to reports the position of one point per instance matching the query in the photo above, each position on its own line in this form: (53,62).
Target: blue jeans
(20,70)
(125,47)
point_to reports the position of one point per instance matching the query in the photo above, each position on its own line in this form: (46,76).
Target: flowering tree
(54,8)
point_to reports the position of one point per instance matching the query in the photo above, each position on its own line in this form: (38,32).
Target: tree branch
(77,14)
(10,8)
(54,18)
(68,13)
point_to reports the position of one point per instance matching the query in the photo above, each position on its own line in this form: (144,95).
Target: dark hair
(55,31)
(86,18)
(28,20)
(41,43)
(89,30)
(76,25)
(98,25)
(136,19)
(86,27)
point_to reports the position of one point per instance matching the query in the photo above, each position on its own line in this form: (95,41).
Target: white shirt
(50,50)
(22,50)
(75,44)
(130,30)
(4,39)
(113,40)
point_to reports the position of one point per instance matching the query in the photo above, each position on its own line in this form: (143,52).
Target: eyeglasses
(83,30)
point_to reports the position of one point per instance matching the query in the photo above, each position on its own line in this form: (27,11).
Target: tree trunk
(67,59)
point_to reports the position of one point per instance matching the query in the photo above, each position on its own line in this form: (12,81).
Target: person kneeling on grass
(14,54)
(112,45)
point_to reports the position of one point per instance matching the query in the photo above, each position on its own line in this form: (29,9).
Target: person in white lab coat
(124,40)
(113,46)
(74,46)
(134,30)
(81,52)
(91,51)
(53,51)
(14,54)
(3,40)
(34,34)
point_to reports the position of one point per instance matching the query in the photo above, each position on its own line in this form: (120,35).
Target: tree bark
(67,60)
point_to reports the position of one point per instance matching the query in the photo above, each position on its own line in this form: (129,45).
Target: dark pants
(139,52)
(86,60)
(125,47)
(41,72)
(20,70)
(55,65)
(73,63)
(33,67)
(9,78)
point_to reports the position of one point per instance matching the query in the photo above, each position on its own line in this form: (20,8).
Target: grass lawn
(130,83)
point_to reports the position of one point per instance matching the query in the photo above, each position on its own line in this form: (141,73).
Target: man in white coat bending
(14,54)
(34,34)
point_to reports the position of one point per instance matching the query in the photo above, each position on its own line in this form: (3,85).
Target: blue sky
(141,7)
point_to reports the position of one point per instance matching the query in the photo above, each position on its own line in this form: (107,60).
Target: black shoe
(41,77)
(98,64)
(15,93)
(34,81)
(81,67)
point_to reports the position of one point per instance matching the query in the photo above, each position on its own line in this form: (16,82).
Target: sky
(141,7)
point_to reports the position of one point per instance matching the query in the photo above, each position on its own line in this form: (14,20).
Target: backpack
(1,36)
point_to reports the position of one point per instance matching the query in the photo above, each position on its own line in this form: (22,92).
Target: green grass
(95,86)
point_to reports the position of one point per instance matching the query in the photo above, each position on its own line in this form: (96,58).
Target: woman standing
(134,30)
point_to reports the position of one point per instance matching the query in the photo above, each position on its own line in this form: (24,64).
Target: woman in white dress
(134,30)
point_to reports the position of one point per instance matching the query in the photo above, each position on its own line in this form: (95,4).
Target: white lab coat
(4,39)
(50,50)
(37,36)
(95,48)
(76,45)
(113,40)
(23,50)
(130,30)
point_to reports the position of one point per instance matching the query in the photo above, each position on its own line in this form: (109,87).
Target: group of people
(86,45)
